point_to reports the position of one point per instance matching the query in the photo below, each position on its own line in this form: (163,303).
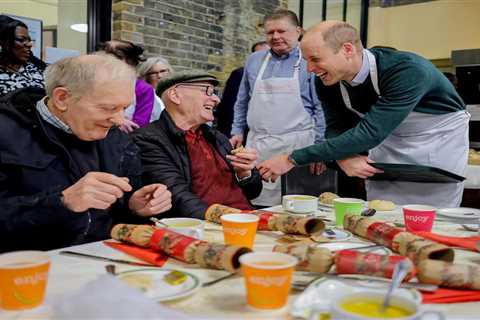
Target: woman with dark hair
(139,112)
(16,69)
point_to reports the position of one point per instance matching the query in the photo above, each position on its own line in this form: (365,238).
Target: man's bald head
(334,34)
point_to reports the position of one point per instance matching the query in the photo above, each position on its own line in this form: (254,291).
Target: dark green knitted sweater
(407,83)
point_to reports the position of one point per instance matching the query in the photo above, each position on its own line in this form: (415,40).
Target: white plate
(340,234)
(163,291)
(320,295)
(343,245)
(459,213)
(325,204)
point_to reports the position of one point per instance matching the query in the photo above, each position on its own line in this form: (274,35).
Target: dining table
(225,299)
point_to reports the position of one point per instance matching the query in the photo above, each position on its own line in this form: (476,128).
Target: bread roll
(327,197)
(381,205)
(473,158)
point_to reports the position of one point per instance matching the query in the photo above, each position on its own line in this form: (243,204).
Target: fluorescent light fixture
(80,27)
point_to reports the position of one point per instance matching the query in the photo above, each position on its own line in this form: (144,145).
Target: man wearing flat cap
(192,159)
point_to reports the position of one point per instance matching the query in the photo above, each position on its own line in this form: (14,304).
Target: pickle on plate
(175,277)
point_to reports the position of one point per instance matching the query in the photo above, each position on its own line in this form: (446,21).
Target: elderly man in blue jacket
(66,172)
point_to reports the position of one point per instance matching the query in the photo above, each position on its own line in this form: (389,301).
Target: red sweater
(212,178)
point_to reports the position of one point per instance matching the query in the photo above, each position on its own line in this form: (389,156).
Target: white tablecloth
(225,300)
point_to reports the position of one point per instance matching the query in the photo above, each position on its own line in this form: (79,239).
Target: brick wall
(212,35)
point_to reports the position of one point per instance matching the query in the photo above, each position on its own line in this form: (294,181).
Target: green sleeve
(401,88)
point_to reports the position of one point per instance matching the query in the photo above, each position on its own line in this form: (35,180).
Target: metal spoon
(399,273)
(158,221)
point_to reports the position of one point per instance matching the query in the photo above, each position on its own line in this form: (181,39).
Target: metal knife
(90,256)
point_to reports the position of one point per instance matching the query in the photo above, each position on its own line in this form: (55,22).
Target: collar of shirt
(193,135)
(364,71)
(294,53)
(50,117)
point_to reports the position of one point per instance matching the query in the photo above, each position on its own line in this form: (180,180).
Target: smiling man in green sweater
(394,105)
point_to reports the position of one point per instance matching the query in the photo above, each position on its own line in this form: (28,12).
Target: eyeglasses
(24,40)
(209,90)
(158,73)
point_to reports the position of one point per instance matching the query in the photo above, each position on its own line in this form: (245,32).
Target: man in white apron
(277,99)
(394,105)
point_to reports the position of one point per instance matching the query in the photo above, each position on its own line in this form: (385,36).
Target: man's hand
(274,167)
(236,140)
(95,190)
(243,162)
(128,126)
(358,166)
(150,200)
(317,168)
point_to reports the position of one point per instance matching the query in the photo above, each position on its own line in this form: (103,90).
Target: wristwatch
(291,160)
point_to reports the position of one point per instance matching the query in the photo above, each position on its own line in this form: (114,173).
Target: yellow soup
(371,309)
(302,198)
(182,224)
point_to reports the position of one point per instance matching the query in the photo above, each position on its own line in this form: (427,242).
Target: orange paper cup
(240,229)
(23,279)
(268,276)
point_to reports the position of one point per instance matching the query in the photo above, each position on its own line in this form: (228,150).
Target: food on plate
(175,277)
(139,281)
(473,157)
(381,205)
(237,150)
(327,197)
(373,309)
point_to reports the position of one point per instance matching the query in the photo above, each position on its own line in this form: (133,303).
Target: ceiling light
(80,27)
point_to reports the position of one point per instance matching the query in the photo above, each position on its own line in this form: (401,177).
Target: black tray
(414,173)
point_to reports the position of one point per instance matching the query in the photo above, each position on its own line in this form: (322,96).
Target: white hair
(148,64)
(80,74)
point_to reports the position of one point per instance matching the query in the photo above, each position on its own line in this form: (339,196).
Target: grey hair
(80,74)
(148,64)
(340,33)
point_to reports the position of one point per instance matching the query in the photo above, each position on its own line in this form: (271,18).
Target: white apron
(278,123)
(433,140)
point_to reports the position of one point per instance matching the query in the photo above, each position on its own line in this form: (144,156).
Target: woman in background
(16,69)
(139,112)
(152,70)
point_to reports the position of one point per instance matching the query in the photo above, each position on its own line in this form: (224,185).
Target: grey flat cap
(184,77)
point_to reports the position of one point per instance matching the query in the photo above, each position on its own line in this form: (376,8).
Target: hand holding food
(237,150)
(243,161)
